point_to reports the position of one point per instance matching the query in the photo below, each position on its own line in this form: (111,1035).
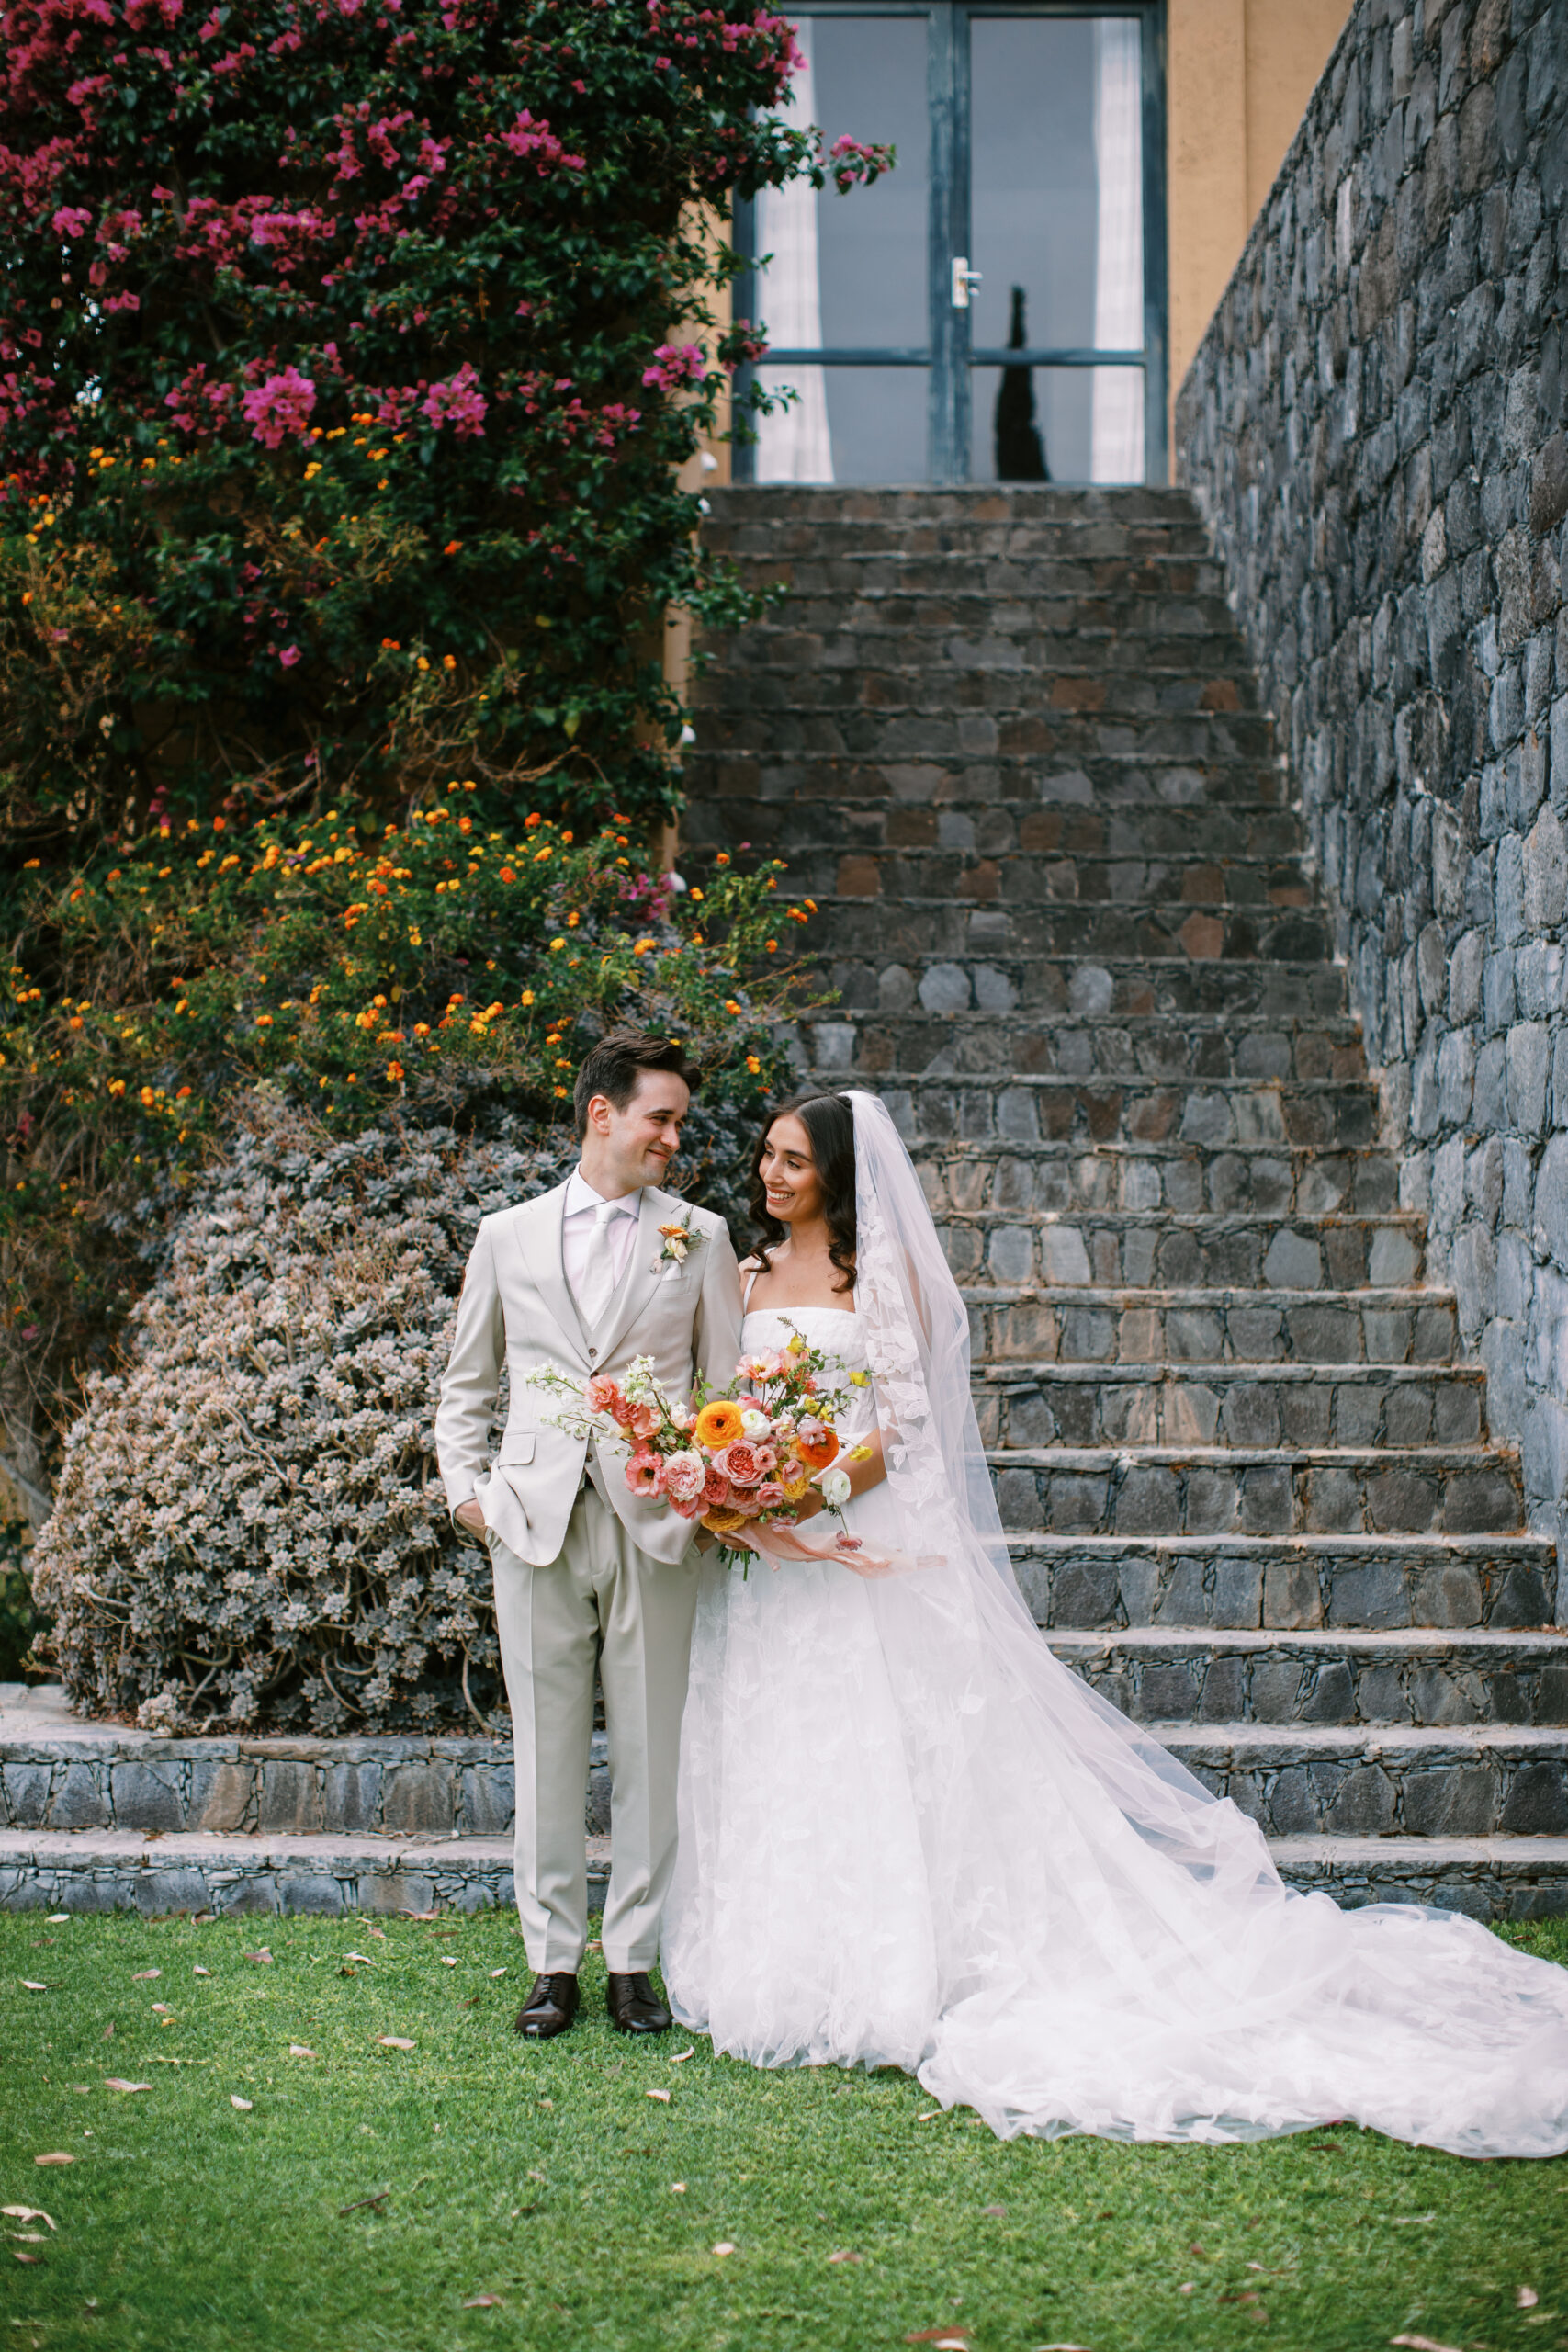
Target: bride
(910,1836)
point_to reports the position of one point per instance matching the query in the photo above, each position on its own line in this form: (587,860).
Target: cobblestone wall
(1373,427)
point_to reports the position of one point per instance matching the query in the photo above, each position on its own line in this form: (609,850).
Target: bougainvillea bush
(348,349)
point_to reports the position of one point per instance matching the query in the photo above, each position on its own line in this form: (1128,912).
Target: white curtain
(1116,448)
(795,445)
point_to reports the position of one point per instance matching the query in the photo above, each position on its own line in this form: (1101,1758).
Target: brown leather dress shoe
(634,2006)
(549,2007)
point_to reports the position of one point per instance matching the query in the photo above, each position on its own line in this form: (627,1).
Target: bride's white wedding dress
(910,1836)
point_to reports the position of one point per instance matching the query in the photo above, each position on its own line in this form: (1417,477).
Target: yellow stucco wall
(1240,74)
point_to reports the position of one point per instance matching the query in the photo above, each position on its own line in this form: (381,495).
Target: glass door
(994,309)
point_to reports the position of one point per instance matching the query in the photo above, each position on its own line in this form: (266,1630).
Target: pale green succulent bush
(250,1529)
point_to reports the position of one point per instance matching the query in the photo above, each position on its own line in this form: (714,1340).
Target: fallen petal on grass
(498,1972)
(263,1957)
(1423,2343)
(18,2256)
(481,2302)
(25,2213)
(681,2056)
(30,1985)
(57,2156)
(393,2042)
(663,2096)
(844,2254)
(145,1975)
(244,2105)
(677,2188)
(724,2246)
(300,2050)
(118,2082)
(1525,2298)
(199,1970)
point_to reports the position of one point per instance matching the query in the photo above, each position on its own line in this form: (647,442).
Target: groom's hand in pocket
(471,1516)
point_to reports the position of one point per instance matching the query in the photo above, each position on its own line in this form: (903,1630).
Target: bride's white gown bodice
(893,1852)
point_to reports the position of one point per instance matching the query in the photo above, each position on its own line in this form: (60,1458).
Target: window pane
(849,424)
(1056,210)
(853,269)
(1068,425)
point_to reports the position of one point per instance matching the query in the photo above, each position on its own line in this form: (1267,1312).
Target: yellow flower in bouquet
(718,1423)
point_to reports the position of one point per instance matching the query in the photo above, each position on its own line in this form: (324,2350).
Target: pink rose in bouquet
(643,1421)
(601,1396)
(685,1477)
(645,1477)
(745,1462)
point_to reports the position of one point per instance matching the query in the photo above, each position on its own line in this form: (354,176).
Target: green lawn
(367,2193)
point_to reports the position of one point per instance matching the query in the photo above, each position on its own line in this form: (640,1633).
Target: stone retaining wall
(1373,428)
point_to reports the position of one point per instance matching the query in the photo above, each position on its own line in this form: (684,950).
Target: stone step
(876,911)
(1094,1325)
(1181,838)
(1287,1583)
(1258,1490)
(1248,1404)
(1168,889)
(886,660)
(1081,992)
(1077,724)
(1489,1877)
(949,1035)
(1419,1675)
(1383,1780)
(1053,1178)
(112,1870)
(1144,1248)
(1105,775)
(1216,1115)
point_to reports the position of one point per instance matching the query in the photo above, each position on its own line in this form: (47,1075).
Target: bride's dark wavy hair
(830,1124)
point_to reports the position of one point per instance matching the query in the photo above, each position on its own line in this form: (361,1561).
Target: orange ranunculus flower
(819,1450)
(723,1522)
(717,1424)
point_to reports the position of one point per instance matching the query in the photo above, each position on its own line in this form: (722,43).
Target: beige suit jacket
(517,1309)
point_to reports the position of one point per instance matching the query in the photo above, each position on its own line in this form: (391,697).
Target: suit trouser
(604,1602)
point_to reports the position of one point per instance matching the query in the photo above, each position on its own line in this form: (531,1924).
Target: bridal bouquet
(740,1460)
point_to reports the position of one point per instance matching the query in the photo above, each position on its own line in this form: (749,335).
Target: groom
(584,1279)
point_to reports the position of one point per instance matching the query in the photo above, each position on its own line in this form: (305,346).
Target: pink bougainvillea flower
(458,403)
(676,365)
(279,408)
(288,655)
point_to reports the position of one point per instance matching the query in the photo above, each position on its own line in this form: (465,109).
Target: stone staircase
(1009,743)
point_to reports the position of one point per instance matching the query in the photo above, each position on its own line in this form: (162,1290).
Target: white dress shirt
(578,1230)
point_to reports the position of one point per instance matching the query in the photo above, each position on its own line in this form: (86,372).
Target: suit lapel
(641,1280)
(546,1264)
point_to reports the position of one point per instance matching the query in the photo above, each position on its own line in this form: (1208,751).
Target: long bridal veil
(1116,1952)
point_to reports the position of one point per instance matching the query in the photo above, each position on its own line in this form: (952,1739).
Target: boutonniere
(678,1241)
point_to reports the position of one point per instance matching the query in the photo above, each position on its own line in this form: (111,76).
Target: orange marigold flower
(718,1424)
(422,1028)
(394,1071)
(753,1064)
(531,821)
(723,858)
(507,875)
(452,547)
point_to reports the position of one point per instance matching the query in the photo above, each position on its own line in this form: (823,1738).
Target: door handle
(965,281)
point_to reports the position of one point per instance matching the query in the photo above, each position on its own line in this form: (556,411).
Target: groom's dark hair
(614,1065)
